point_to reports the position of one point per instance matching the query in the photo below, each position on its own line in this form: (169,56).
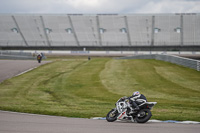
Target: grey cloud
(99,6)
(168,6)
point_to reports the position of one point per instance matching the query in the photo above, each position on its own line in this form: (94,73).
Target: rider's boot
(136,108)
(131,110)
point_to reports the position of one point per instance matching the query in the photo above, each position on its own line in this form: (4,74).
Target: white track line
(25,71)
(167,121)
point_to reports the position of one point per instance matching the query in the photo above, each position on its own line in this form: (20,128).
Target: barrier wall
(194,64)
(13,55)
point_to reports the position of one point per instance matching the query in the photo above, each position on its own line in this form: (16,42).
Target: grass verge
(81,88)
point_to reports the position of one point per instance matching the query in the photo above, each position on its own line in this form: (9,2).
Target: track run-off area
(12,122)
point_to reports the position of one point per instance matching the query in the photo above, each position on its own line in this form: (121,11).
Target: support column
(13,17)
(46,36)
(98,28)
(74,32)
(181,35)
(152,31)
(127,29)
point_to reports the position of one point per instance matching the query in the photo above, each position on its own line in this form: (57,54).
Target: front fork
(113,113)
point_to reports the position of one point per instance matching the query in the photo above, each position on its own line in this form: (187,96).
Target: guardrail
(16,55)
(194,64)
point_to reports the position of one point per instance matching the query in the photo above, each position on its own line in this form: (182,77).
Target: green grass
(77,87)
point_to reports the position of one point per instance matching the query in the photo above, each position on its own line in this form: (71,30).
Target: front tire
(112,115)
(143,116)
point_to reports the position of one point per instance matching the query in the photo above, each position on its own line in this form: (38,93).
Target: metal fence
(16,55)
(194,64)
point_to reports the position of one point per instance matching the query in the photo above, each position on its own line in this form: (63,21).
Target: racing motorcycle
(124,111)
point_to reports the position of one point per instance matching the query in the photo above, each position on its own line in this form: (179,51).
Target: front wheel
(143,116)
(112,115)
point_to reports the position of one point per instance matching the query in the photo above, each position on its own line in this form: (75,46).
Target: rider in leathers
(137,99)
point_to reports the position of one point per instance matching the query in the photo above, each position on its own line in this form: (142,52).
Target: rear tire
(143,116)
(112,115)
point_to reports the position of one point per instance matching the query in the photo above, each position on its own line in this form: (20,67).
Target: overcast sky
(99,6)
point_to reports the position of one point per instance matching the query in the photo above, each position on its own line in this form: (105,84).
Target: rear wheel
(143,116)
(112,115)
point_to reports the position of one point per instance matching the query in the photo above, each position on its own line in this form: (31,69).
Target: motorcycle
(39,58)
(124,111)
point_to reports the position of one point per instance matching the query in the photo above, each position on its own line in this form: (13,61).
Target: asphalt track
(12,122)
(10,68)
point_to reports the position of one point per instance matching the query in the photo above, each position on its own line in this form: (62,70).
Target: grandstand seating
(140,29)
(32,30)
(85,28)
(58,35)
(7,36)
(167,34)
(112,35)
(48,30)
(190,29)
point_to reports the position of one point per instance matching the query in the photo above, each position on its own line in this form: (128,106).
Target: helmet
(136,93)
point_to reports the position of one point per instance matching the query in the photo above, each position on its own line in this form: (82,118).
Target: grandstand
(156,32)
